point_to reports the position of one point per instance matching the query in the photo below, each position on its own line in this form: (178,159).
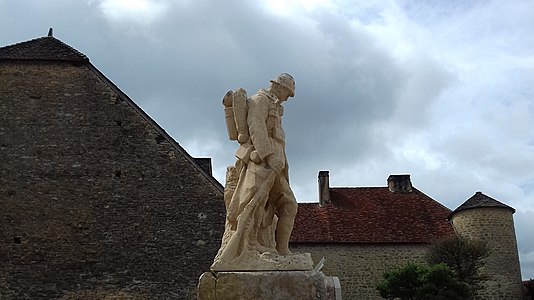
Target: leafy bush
(418,282)
(465,257)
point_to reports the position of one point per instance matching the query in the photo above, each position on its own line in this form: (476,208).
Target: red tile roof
(372,215)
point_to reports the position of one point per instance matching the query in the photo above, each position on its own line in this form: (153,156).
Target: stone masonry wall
(94,202)
(496,226)
(360,267)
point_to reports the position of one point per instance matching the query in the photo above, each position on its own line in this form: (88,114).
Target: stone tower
(484,218)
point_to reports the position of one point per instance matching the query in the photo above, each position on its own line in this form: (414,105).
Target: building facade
(364,232)
(96,199)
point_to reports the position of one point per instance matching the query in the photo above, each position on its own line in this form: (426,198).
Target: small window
(159,139)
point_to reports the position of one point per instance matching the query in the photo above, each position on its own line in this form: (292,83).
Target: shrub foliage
(465,257)
(418,282)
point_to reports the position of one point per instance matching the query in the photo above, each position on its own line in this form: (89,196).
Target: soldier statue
(260,204)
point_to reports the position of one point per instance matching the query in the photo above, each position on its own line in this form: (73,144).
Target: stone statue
(260,205)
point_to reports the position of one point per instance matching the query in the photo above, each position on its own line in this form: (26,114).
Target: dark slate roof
(479,200)
(372,215)
(44,48)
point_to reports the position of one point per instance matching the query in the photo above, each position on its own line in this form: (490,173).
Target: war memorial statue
(254,261)
(260,205)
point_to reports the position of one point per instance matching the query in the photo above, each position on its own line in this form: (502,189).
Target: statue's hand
(275,163)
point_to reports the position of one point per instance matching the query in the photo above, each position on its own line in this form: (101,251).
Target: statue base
(268,286)
(268,261)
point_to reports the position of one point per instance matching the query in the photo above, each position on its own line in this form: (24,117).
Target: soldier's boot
(283,233)
(253,241)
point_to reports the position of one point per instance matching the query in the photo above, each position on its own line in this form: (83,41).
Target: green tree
(440,283)
(417,282)
(465,257)
(402,283)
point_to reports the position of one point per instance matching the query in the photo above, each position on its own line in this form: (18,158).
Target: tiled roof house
(364,232)
(372,215)
(97,201)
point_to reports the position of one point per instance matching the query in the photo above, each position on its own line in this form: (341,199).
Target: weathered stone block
(267,285)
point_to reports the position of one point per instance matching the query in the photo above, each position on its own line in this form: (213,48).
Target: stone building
(364,232)
(484,218)
(96,200)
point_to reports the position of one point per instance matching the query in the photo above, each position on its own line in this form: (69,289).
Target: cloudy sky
(441,90)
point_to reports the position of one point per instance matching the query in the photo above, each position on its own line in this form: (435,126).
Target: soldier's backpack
(235,112)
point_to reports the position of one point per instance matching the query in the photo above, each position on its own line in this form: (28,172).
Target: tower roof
(44,48)
(479,200)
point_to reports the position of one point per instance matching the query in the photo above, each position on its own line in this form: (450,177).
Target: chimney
(399,183)
(324,188)
(204,163)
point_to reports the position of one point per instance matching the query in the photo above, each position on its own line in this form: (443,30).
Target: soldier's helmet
(287,81)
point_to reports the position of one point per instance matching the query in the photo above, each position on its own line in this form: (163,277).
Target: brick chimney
(324,188)
(400,183)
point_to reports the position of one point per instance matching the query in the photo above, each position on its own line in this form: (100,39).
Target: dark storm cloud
(180,72)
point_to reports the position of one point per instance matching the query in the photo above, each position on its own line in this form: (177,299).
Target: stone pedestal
(283,285)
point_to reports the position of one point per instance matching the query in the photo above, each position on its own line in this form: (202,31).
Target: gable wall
(92,200)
